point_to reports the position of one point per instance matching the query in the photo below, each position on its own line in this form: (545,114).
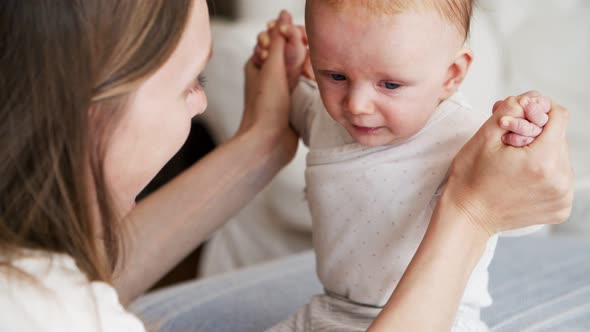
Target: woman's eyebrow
(193,77)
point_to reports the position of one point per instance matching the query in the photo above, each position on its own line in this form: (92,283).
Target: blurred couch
(518,46)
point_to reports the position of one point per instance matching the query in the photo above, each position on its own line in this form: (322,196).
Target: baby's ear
(457,71)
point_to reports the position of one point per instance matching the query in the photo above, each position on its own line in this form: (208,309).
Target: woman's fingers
(271,24)
(261,49)
(296,52)
(285,18)
(273,72)
(266,90)
(263,39)
(552,162)
(556,127)
(259,56)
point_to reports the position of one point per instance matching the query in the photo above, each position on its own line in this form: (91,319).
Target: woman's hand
(500,187)
(296,48)
(267,99)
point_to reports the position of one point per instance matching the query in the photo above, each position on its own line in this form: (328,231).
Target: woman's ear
(457,71)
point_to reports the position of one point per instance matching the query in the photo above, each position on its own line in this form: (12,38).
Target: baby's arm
(525,127)
(296,52)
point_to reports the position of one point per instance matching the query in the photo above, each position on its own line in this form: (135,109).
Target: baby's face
(380,76)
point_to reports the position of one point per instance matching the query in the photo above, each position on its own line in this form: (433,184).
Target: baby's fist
(525,127)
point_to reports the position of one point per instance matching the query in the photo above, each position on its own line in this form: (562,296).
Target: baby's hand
(296,52)
(525,127)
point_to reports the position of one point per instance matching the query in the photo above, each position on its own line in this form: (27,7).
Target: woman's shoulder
(43,292)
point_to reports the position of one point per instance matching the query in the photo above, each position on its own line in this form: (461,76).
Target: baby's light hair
(458,12)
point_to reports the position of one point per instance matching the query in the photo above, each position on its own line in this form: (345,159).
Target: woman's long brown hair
(67,68)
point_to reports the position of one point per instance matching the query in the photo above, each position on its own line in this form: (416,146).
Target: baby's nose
(359,103)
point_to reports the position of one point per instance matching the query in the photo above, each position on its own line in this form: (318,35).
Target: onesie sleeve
(301,101)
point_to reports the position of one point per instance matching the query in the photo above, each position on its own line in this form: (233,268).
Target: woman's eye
(198,84)
(202,80)
(338,77)
(390,86)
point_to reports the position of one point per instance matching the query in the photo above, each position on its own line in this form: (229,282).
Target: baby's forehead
(388,43)
(456,12)
(375,7)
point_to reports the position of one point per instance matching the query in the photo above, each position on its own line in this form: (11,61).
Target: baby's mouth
(366,130)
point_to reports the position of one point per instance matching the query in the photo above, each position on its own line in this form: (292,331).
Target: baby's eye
(390,86)
(338,77)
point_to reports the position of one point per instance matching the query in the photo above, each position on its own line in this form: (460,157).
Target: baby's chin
(375,140)
(376,143)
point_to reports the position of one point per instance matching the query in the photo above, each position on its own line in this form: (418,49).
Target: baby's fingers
(517,140)
(520,126)
(536,110)
(296,49)
(295,52)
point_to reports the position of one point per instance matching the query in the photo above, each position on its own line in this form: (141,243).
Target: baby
(383,121)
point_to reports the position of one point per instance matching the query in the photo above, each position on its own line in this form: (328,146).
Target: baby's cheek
(407,124)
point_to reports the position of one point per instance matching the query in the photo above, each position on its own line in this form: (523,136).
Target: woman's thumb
(274,71)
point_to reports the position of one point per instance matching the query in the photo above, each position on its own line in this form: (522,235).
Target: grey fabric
(252,299)
(325,313)
(538,284)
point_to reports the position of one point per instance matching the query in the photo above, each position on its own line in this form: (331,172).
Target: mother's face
(158,118)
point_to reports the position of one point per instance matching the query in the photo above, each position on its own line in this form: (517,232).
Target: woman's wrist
(273,144)
(465,209)
(452,217)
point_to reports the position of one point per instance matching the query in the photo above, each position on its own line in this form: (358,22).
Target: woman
(96,97)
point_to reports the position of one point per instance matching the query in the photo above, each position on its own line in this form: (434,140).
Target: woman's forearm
(167,225)
(428,295)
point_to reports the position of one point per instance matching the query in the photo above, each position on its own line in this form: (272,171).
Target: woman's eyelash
(202,80)
(198,84)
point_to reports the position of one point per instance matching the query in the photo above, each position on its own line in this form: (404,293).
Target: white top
(370,206)
(63,301)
